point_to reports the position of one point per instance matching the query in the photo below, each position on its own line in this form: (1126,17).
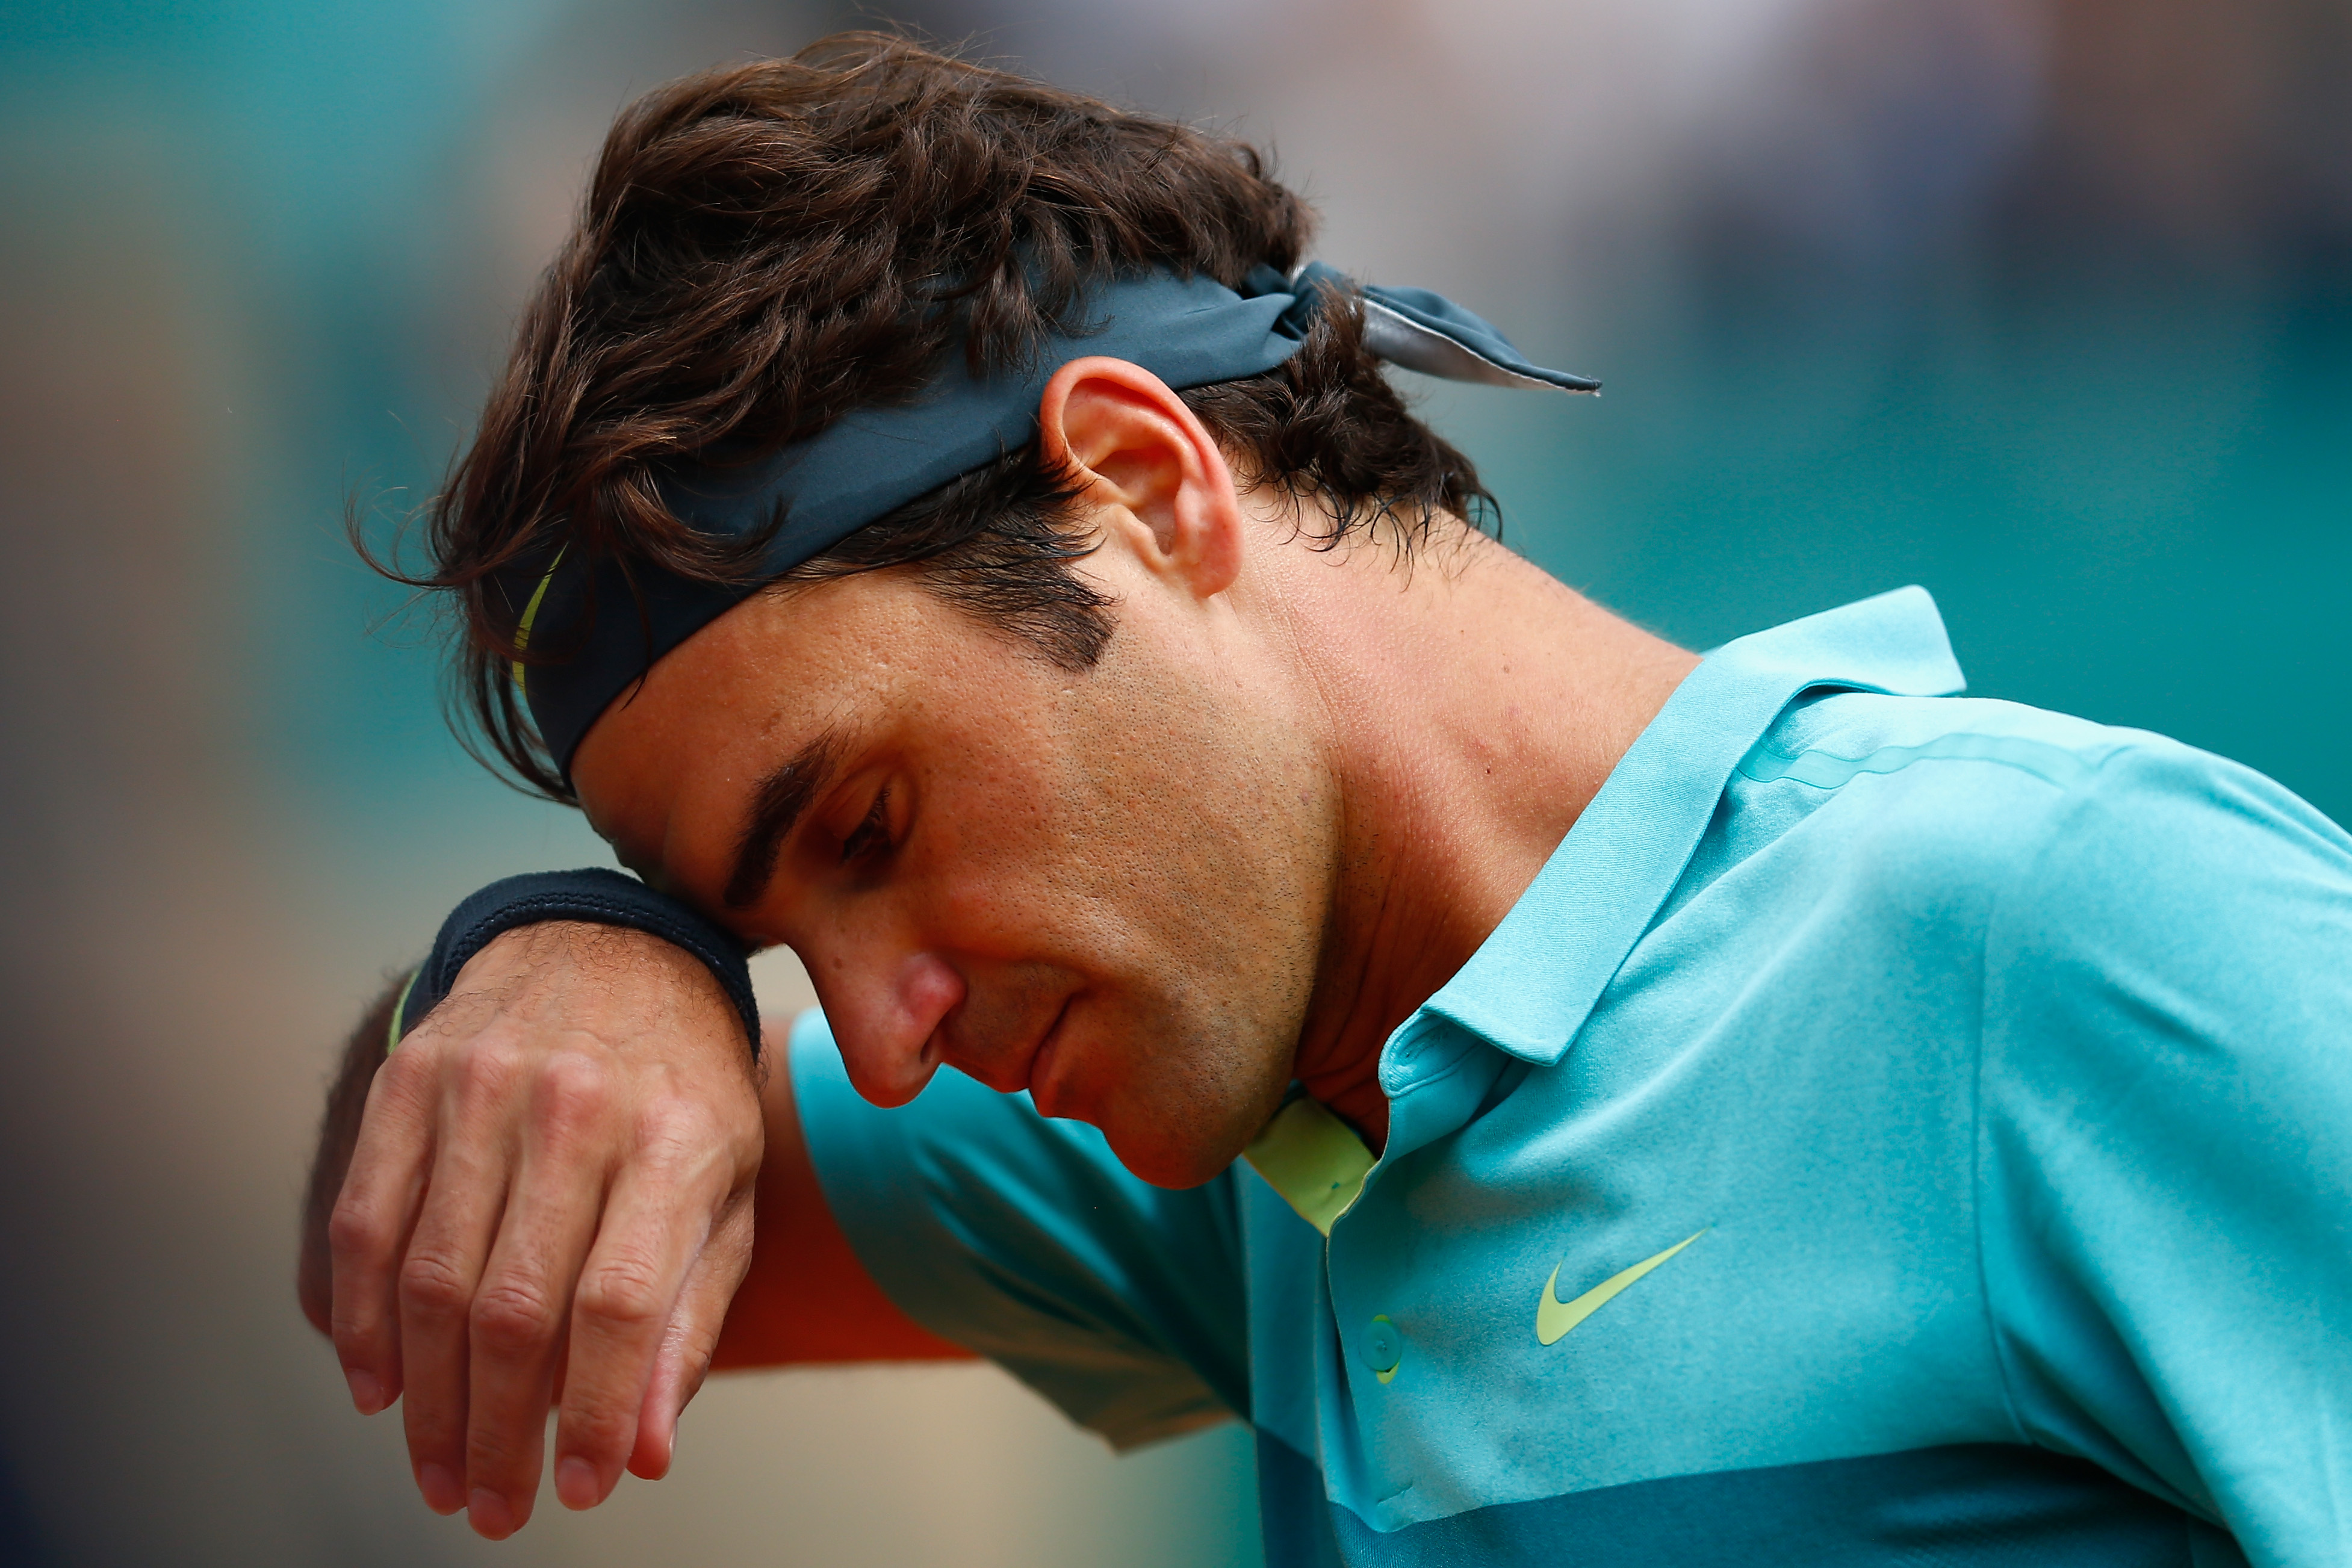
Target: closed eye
(871,835)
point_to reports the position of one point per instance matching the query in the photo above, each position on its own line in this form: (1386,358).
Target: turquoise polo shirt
(1893,1128)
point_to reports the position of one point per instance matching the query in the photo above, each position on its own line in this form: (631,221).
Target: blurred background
(2045,304)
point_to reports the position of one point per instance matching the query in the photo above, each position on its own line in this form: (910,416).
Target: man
(1763,1108)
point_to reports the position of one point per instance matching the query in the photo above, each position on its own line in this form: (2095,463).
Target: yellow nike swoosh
(1555,1317)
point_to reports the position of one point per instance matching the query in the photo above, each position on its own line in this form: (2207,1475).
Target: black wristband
(605,897)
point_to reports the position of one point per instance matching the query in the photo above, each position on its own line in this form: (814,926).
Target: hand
(549,1197)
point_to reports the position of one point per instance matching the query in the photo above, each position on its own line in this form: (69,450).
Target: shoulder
(2166,849)
(2179,920)
(1958,747)
(1925,803)
(2028,826)
(2030,787)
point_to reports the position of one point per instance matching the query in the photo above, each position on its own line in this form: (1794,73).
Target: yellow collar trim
(1313,1159)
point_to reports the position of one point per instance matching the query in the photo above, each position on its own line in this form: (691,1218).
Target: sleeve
(2166,1146)
(1025,1240)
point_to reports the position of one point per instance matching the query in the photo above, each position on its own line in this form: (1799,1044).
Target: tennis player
(1577,1100)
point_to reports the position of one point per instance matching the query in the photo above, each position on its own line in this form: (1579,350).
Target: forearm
(807,1298)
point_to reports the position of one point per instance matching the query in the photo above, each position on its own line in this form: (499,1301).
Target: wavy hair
(764,247)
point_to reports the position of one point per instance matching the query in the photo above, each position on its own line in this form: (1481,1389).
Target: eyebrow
(782,797)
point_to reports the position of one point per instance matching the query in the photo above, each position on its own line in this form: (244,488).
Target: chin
(1168,1156)
(1172,1128)
(1178,1169)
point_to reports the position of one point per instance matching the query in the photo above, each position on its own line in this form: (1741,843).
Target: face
(1107,887)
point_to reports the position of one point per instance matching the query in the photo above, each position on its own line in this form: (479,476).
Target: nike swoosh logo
(1555,1317)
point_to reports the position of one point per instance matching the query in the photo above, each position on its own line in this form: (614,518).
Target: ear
(1150,470)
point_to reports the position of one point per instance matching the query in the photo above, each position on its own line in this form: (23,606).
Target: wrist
(592,898)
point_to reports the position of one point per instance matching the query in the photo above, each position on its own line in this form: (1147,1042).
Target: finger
(656,1224)
(369,1229)
(464,1199)
(691,1340)
(522,1306)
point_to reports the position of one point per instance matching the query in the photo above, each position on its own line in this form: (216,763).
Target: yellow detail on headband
(530,613)
(399,1012)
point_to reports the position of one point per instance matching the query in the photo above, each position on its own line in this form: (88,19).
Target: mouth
(1037,1076)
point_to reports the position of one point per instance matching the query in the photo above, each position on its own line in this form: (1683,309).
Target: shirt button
(1384,1348)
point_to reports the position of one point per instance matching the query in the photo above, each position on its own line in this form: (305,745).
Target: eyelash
(862,840)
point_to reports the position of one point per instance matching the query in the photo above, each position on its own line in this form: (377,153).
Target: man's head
(1106,885)
(1036,747)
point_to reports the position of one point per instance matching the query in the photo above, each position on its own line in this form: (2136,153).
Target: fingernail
(439,1485)
(366,1392)
(576,1484)
(489,1515)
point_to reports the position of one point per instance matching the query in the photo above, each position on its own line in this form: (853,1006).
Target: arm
(2166,1146)
(807,1298)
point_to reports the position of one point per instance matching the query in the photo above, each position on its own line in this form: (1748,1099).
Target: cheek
(1208,876)
(1124,824)
(988,874)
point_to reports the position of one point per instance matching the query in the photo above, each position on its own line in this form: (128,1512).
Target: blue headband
(1189,332)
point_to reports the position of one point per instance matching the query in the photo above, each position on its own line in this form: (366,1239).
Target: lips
(995,1037)
(1036,1074)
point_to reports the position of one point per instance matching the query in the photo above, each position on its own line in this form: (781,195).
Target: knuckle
(487,1067)
(605,1428)
(693,1343)
(356,1228)
(407,1082)
(433,1285)
(677,1128)
(574,1092)
(436,1435)
(513,1315)
(729,1250)
(493,1453)
(352,1330)
(622,1292)
(400,1073)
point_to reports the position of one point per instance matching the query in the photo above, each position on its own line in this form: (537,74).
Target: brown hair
(765,247)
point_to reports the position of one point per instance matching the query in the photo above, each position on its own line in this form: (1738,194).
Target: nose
(885,1018)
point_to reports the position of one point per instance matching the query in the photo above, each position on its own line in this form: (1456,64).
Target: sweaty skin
(1297,792)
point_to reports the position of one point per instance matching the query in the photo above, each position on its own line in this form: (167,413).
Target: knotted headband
(1188,332)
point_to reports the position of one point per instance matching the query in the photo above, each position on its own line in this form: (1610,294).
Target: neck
(1475,706)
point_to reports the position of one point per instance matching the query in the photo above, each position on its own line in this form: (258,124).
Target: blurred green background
(2045,304)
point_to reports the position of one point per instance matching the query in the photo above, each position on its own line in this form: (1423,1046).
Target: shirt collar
(1530,985)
